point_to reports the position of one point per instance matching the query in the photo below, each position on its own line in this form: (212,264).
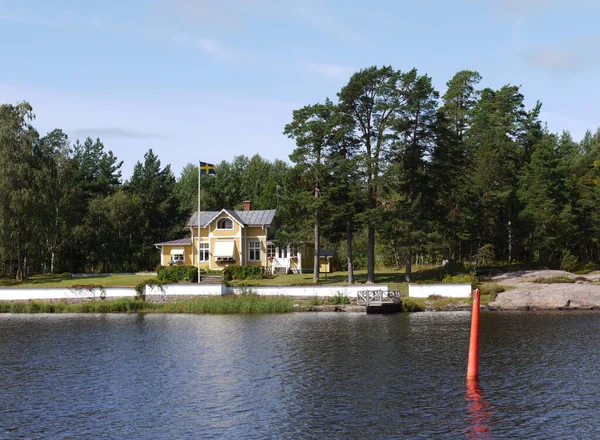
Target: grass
(65,280)
(229,304)
(554,280)
(394,278)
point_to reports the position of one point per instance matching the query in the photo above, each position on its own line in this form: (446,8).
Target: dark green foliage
(339,298)
(460,279)
(242,273)
(402,177)
(453,267)
(569,262)
(139,288)
(409,305)
(177,274)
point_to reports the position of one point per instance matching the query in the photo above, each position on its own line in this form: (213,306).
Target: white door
(281,257)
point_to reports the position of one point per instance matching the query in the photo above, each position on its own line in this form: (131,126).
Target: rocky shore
(525,294)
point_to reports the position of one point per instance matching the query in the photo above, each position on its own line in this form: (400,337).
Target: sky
(212,79)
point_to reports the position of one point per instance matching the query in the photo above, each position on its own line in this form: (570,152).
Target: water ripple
(313,376)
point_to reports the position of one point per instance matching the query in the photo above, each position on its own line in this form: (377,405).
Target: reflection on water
(480,412)
(316,376)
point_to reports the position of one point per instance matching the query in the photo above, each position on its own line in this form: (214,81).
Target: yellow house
(243,238)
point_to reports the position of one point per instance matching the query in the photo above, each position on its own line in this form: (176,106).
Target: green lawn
(67,281)
(392,277)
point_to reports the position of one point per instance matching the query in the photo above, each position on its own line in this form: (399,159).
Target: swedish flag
(207,168)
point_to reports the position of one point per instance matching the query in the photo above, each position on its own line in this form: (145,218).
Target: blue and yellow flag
(207,168)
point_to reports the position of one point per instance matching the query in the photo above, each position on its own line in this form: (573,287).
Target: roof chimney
(247,205)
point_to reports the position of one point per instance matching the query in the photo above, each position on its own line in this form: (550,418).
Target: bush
(485,255)
(339,298)
(242,273)
(569,262)
(139,288)
(460,279)
(454,267)
(409,305)
(590,267)
(177,274)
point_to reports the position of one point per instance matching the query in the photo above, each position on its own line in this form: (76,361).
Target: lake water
(311,375)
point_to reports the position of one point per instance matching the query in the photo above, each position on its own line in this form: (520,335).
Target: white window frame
(177,257)
(270,250)
(293,251)
(254,251)
(224,220)
(283,253)
(204,252)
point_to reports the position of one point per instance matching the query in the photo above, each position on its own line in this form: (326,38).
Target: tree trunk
(349,252)
(52,262)
(371,255)
(408,274)
(317,262)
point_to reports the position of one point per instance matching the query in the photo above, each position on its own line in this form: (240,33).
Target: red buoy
(473,367)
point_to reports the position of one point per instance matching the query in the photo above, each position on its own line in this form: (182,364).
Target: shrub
(460,279)
(454,267)
(485,254)
(569,262)
(409,305)
(590,267)
(339,298)
(177,274)
(314,301)
(242,273)
(139,288)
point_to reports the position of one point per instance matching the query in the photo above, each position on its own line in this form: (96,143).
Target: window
(283,252)
(177,256)
(203,254)
(254,247)
(270,251)
(293,251)
(224,223)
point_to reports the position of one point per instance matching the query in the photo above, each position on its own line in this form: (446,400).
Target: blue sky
(209,80)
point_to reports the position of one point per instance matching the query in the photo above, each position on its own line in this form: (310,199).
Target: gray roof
(326,253)
(181,241)
(247,218)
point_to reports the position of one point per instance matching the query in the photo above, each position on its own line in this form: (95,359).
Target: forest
(388,173)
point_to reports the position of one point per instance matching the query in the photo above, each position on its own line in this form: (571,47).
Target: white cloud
(216,49)
(116,132)
(555,59)
(573,56)
(333,71)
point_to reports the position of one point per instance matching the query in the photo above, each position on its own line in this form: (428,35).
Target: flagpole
(198,217)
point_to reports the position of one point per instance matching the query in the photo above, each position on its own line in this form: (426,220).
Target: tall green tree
(449,159)
(313,128)
(498,121)
(407,178)
(18,139)
(155,187)
(373,99)
(55,192)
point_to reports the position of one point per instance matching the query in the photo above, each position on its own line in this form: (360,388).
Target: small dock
(379,301)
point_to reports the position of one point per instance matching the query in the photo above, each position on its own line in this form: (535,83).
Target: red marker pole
(473,368)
